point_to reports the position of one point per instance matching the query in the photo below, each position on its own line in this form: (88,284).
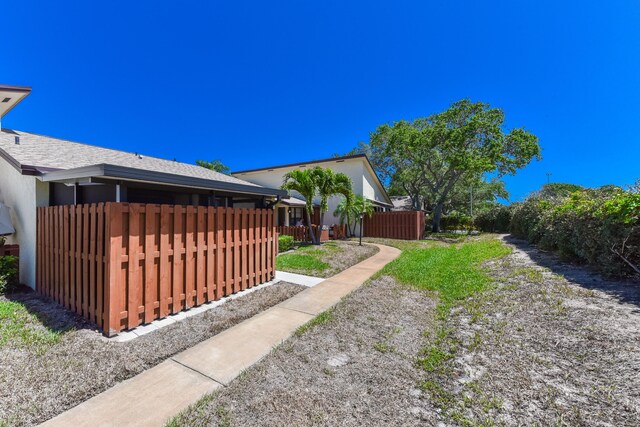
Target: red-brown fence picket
(404,225)
(300,233)
(121,265)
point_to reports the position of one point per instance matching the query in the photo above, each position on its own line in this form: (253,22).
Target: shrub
(284,243)
(596,226)
(8,273)
(456,221)
(494,220)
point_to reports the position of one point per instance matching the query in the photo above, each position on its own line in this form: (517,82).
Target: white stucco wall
(22,194)
(364,183)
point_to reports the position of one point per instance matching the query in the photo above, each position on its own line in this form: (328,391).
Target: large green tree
(430,155)
(214,165)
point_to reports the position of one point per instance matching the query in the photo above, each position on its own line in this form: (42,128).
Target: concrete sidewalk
(154,396)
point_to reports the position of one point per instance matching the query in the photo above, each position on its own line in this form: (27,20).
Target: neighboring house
(402,203)
(290,210)
(37,171)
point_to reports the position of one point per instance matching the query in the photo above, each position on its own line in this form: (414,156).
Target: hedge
(284,243)
(494,220)
(600,227)
(8,273)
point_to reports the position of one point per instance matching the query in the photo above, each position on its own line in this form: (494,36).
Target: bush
(284,243)
(8,273)
(456,221)
(596,226)
(494,220)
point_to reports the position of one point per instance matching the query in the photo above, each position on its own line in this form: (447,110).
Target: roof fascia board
(312,162)
(132,174)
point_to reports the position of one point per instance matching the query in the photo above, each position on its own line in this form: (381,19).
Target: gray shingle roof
(47,153)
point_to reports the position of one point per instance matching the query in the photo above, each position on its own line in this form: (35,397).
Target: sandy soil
(549,344)
(554,344)
(357,369)
(37,384)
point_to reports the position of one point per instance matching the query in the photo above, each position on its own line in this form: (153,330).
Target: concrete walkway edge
(157,394)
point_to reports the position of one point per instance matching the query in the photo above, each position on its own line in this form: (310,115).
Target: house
(290,210)
(39,171)
(402,203)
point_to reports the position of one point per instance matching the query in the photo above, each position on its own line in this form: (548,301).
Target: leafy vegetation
(214,165)
(8,273)
(349,211)
(428,157)
(321,182)
(320,319)
(285,243)
(300,263)
(454,273)
(495,219)
(598,226)
(18,327)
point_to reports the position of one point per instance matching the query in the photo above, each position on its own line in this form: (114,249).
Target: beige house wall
(364,183)
(22,194)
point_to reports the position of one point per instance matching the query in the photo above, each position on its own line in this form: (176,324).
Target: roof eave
(140,175)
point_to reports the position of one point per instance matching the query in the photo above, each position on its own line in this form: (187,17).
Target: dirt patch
(350,255)
(553,344)
(37,384)
(357,368)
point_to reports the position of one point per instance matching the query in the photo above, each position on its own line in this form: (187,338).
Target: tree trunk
(320,228)
(309,225)
(437,215)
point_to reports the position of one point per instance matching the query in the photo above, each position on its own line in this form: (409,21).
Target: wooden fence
(405,225)
(300,233)
(10,250)
(121,265)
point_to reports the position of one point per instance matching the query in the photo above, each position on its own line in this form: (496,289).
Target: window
(296,216)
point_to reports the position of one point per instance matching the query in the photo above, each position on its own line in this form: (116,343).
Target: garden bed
(324,260)
(51,359)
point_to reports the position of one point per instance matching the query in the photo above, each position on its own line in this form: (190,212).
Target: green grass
(308,259)
(300,263)
(452,271)
(455,274)
(320,319)
(18,327)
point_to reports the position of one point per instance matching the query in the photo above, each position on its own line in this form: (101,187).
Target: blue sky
(255,84)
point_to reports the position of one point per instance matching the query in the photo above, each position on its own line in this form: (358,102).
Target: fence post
(113,249)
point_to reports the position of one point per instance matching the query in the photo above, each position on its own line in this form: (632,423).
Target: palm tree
(345,212)
(303,182)
(317,181)
(330,184)
(349,211)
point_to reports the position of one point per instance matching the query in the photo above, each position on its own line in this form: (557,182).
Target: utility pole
(472,201)
(548,177)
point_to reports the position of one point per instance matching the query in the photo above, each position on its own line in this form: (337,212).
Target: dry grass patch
(39,382)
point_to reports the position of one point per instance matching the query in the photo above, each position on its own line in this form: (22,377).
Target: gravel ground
(39,383)
(356,369)
(554,344)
